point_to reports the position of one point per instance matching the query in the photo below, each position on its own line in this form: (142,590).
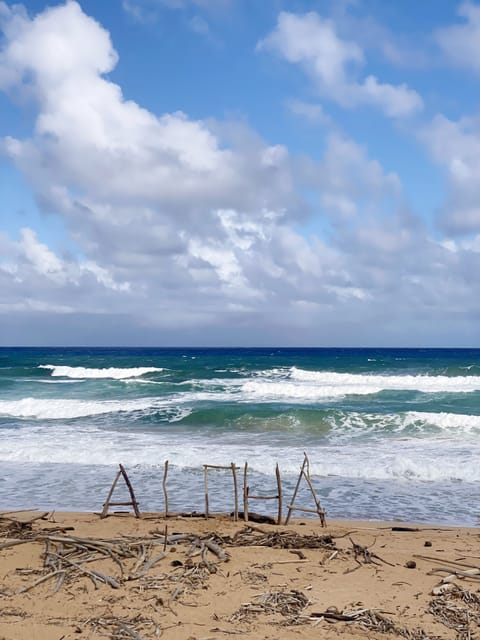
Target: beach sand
(272,592)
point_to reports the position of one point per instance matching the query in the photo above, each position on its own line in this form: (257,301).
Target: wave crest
(114,373)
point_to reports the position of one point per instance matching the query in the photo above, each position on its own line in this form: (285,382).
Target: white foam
(346,424)
(445,421)
(350,383)
(110,372)
(66,409)
(398,460)
(270,391)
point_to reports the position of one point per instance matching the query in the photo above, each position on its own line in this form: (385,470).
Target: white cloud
(334,64)
(44,261)
(455,146)
(199,25)
(310,111)
(461,42)
(58,42)
(349,182)
(400,49)
(199,228)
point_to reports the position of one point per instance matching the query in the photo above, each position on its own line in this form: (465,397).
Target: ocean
(391,434)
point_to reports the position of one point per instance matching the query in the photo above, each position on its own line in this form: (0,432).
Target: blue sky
(237,172)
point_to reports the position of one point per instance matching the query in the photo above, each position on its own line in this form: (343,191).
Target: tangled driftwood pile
(124,628)
(458,609)
(143,582)
(67,558)
(288,604)
(291,605)
(373,620)
(252,536)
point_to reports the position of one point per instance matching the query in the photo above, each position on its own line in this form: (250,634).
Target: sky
(240,173)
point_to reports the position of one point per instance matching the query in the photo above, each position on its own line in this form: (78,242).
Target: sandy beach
(74,575)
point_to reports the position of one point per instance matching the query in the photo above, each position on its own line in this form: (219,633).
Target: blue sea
(390,433)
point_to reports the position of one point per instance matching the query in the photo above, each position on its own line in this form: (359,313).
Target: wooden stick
(288,561)
(25,523)
(164,485)
(216,466)
(205,471)
(445,561)
(321,513)
(306,509)
(92,574)
(13,543)
(40,580)
(216,549)
(305,472)
(147,566)
(245,492)
(235,491)
(120,504)
(110,493)
(130,488)
(280,495)
(287,519)
(133,634)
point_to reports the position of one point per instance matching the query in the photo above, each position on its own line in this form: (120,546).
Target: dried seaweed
(124,628)
(289,604)
(250,536)
(373,620)
(457,609)
(19,529)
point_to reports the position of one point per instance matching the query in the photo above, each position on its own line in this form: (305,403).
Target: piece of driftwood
(40,580)
(15,528)
(305,473)
(164,486)
(130,632)
(247,496)
(133,500)
(233,468)
(472,574)
(456,563)
(258,517)
(365,555)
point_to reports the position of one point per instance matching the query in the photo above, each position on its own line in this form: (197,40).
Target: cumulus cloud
(455,146)
(350,184)
(196,231)
(144,195)
(333,64)
(461,42)
(310,111)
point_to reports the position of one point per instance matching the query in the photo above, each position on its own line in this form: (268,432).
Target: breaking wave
(113,373)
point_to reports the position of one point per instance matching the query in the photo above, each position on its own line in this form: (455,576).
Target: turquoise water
(391,433)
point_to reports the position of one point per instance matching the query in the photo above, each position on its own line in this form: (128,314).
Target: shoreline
(215,578)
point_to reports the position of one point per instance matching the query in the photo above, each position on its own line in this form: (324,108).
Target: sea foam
(349,383)
(406,461)
(110,372)
(66,409)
